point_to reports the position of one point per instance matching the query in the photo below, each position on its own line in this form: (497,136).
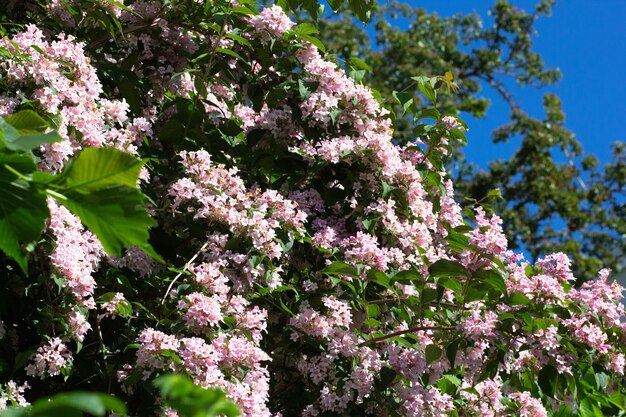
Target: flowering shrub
(306,265)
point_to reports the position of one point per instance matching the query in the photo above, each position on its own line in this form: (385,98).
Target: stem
(103,353)
(189,262)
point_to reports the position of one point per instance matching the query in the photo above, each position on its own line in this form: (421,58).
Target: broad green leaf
(96,404)
(357,63)
(340,268)
(452,284)
(518,299)
(191,400)
(306,28)
(405,100)
(495,193)
(492,278)
(426,88)
(428,295)
(116,214)
(387,375)
(379,278)
(24,131)
(407,276)
(432,353)
(230,52)
(35,140)
(547,379)
(96,168)
(23,209)
(429,113)
(451,351)
(362,9)
(335,4)
(27,121)
(314,41)
(446,268)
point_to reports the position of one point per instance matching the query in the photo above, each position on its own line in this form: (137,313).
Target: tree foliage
(556,197)
(280,243)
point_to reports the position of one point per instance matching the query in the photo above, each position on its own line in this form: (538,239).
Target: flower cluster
(311,265)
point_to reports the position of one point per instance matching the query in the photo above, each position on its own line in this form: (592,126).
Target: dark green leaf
(23,209)
(340,268)
(446,268)
(314,41)
(432,353)
(306,28)
(27,121)
(96,168)
(191,400)
(76,403)
(518,299)
(405,100)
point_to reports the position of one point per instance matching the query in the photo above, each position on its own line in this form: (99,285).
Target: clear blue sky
(587,41)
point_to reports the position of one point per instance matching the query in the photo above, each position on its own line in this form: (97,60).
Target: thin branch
(189,262)
(103,353)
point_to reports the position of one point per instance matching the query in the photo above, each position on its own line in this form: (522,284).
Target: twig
(189,262)
(103,353)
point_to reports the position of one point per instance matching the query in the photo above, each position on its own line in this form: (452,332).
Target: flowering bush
(307,265)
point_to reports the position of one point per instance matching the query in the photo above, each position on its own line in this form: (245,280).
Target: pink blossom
(50,359)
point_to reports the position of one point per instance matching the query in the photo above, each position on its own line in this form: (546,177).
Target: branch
(189,262)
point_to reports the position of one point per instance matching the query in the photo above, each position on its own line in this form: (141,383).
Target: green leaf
(27,121)
(116,215)
(547,379)
(193,401)
(585,409)
(340,268)
(335,4)
(493,279)
(23,209)
(451,351)
(305,88)
(99,186)
(407,276)
(405,100)
(426,88)
(494,194)
(452,284)
(306,28)
(357,63)
(429,113)
(602,380)
(15,140)
(428,295)
(96,168)
(386,377)
(432,353)
(314,41)
(362,9)
(446,268)
(518,299)
(96,404)
(379,278)
(230,52)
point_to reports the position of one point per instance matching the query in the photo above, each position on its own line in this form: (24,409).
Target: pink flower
(201,312)
(50,359)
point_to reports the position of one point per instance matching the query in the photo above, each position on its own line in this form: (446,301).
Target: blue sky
(587,41)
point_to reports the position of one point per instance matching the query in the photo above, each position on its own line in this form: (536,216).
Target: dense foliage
(299,258)
(556,197)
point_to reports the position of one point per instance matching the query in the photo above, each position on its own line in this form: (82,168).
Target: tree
(306,262)
(572,206)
